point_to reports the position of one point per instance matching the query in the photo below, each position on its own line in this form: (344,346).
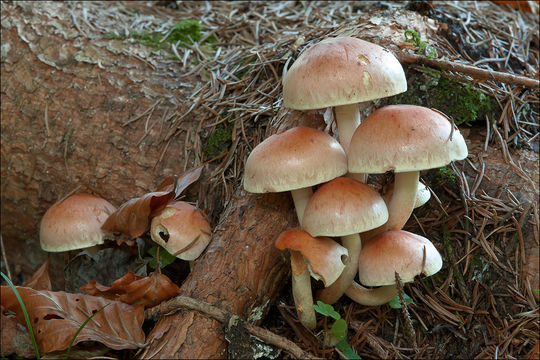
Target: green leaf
(326,310)
(396,304)
(346,350)
(537,291)
(339,329)
(164,257)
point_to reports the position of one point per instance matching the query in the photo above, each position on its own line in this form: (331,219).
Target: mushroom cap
(396,251)
(326,258)
(74,223)
(404,138)
(344,206)
(294,159)
(182,230)
(340,71)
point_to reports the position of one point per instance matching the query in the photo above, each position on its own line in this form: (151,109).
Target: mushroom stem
(347,118)
(402,203)
(301,279)
(332,293)
(371,297)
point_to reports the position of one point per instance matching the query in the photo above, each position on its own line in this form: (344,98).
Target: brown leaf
(133,217)
(137,290)
(40,280)
(188,178)
(56,317)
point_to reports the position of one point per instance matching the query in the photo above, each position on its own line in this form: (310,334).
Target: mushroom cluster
(346,73)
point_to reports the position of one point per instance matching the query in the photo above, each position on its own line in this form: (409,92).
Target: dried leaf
(40,280)
(188,178)
(133,217)
(137,290)
(58,315)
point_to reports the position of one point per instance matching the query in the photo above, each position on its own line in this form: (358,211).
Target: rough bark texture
(65,101)
(241,272)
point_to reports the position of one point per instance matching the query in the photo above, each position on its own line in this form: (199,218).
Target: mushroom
(324,257)
(342,72)
(75,223)
(344,207)
(182,230)
(382,256)
(405,139)
(294,161)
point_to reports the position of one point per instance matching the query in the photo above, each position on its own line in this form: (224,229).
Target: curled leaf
(132,218)
(187,178)
(136,290)
(40,280)
(56,317)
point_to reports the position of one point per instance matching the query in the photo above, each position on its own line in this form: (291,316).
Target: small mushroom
(182,230)
(382,256)
(74,223)
(405,139)
(344,207)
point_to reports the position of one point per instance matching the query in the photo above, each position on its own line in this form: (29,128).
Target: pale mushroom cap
(341,71)
(182,230)
(404,138)
(396,251)
(326,258)
(74,223)
(344,206)
(294,159)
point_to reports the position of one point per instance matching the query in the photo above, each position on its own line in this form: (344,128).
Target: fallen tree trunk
(241,272)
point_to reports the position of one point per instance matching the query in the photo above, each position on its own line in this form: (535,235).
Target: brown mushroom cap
(182,230)
(297,158)
(324,256)
(404,138)
(397,251)
(74,223)
(339,71)
(344,206)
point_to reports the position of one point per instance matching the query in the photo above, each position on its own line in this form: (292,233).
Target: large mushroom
(342,72)
(382,256)
(294,161)
(405,139)
(74,223)
(344,207)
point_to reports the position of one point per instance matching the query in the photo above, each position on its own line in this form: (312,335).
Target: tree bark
(68,107)
(241,272)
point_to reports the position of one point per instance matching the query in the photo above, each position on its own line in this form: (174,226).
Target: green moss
(480,269)
(183,33)
(218,141)
(461,101)
(445,175)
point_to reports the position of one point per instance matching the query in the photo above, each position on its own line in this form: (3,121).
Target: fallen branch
(475,72)
(184,302)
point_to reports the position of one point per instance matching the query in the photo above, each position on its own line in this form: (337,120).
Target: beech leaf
(132,218)
(137,290)
(183,181)
(57,316)
(40,280)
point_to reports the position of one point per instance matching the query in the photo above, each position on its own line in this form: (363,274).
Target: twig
(184,302)
(475,72)
(409,330)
